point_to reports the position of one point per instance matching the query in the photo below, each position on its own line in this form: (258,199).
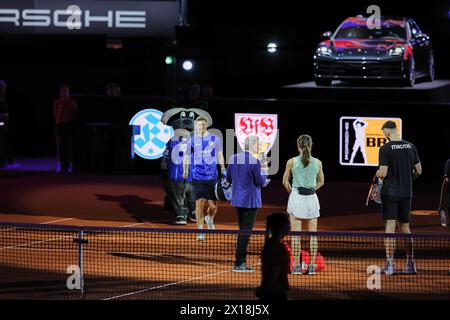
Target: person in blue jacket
(247,175)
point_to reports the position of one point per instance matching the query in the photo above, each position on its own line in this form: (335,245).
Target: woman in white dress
(303,204)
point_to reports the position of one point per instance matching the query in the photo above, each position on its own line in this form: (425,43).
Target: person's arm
(259,177)
(417,164)
(187,159)
(443,202)
(186,164)
(382,172)
(219,152)
(221,161)
(230,169)
(320,177)
(383,162)
(287,176)
(417,170)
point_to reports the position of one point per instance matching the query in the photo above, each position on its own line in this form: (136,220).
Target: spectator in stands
(65,111)
(208,91)
(113,90)
(195,91)
(6,158)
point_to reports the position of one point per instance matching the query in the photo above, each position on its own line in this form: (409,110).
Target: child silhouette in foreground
(275,259)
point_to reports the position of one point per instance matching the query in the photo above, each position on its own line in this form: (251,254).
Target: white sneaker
(389,269)
(200,237)
(311,270)
(210,222)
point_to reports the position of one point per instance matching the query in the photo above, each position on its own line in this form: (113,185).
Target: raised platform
(437,91)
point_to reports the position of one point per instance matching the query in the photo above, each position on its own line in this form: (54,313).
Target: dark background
(226,40)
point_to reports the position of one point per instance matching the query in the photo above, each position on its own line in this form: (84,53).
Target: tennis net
(64,262)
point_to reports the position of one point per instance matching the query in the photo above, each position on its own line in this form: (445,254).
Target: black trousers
(181,197)
(65,134)
(246,220)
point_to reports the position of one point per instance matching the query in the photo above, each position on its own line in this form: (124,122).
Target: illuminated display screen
(150,135)
(361,138)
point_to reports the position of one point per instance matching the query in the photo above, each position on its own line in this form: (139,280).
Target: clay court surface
(141,264)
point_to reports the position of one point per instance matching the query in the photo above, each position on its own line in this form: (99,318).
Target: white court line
(31,243)
(54,239)
(49,222)
(131,225)
(169,284)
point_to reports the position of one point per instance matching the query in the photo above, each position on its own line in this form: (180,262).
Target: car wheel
(430,66)
(411,73)
(323,82)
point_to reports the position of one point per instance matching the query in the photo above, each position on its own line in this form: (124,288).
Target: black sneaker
(180,220)
(192,217)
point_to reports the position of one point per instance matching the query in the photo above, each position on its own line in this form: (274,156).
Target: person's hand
(288,188)
(264,166)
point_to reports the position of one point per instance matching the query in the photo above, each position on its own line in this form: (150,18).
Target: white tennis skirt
(303,207)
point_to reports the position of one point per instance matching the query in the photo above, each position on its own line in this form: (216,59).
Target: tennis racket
(375,190)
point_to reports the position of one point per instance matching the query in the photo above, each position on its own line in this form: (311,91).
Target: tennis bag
(222,190)
(305,259)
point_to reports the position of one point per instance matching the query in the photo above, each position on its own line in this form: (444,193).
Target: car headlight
(397,51)
(324,51)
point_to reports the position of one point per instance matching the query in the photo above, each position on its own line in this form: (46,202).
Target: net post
(80,259)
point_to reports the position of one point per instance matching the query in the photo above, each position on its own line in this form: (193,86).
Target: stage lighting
(188,65)
(169,60)
(272,47)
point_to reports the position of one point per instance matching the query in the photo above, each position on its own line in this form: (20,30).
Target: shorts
(204,189)
(303,207)
(396,208)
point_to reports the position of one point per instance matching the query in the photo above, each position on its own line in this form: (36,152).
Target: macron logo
(401,146)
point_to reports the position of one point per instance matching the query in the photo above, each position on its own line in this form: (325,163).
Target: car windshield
(363,32)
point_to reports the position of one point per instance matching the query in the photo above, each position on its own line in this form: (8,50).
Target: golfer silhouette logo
(360,142)
(153,136)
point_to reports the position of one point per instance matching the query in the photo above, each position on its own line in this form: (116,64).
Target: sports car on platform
(395,49)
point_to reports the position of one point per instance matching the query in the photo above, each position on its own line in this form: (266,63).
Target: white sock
(390,260)
(200,226)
